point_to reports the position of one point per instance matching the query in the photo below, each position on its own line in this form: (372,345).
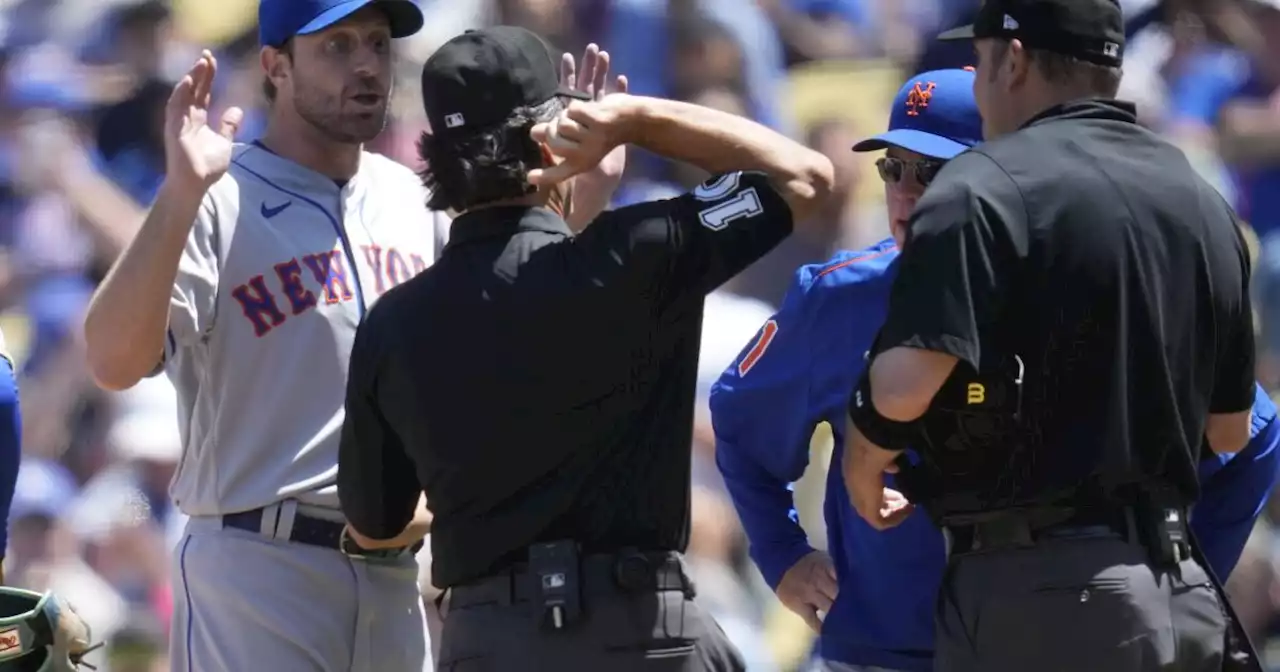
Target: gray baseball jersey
(280,266)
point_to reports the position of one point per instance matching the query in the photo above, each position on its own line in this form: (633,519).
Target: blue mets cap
(279,20)
(934,114)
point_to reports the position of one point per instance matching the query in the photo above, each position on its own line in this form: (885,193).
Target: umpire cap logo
(553,581)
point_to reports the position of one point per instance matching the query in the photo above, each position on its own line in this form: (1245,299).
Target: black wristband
(886,433)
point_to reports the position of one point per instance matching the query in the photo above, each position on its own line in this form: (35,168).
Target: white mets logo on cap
(1010,23)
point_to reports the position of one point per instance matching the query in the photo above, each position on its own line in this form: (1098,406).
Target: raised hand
(594,188)
(583,135)
(196,156)
(594,75)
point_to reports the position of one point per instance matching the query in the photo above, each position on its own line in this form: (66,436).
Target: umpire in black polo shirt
(1068,333)
(538,385)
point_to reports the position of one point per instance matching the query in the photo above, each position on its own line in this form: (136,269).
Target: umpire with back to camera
(553,438)
(1068,334)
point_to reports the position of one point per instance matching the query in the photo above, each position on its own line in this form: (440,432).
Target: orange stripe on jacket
(767,332)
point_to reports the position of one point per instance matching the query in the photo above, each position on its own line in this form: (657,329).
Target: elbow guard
(886,433)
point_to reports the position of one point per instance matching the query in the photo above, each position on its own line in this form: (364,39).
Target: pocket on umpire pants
(487,637)
(1061,608)
(654,632)
(1087,626)
(1199,619)
(662,631)
(1107,622)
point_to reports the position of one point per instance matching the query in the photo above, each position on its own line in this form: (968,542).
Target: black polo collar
(1088,108)
(503,222)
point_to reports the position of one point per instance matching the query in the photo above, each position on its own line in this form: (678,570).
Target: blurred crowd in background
(82,88)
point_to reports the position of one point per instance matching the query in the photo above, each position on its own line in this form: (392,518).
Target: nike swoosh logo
(272,212)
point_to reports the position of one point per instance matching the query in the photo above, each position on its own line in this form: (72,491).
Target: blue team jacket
(10,443)
(797,373)
(1234,488)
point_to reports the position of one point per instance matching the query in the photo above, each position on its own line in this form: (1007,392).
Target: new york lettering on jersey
(281,265)
(304,282)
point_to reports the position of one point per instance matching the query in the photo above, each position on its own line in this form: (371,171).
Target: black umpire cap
(1090,30)
(477,79)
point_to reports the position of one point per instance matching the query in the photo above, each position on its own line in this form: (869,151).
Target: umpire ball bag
(40,633)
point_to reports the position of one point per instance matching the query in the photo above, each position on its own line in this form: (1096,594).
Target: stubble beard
(346,128)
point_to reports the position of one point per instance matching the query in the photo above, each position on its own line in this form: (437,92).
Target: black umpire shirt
(1090,248)
(540,385)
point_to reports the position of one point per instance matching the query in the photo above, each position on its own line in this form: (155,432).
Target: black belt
(305,530)
(1015,529)
(601,574)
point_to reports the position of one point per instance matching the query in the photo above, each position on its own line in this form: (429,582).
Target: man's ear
(1018,62)
(276,64)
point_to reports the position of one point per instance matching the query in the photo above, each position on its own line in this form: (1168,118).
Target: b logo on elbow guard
(976,393)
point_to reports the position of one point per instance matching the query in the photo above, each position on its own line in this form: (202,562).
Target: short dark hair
(1103,80)
(1056,68)
(488,165)
(269,87)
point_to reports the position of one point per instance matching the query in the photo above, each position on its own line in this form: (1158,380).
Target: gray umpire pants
(493,626)
(1085,603)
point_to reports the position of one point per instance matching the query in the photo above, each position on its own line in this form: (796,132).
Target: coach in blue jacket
(877,589)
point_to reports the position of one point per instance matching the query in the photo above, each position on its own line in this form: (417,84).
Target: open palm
(593,78)
(195,154)
(595,187)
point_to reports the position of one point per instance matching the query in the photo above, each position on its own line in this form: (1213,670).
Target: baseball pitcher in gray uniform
(246,284)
